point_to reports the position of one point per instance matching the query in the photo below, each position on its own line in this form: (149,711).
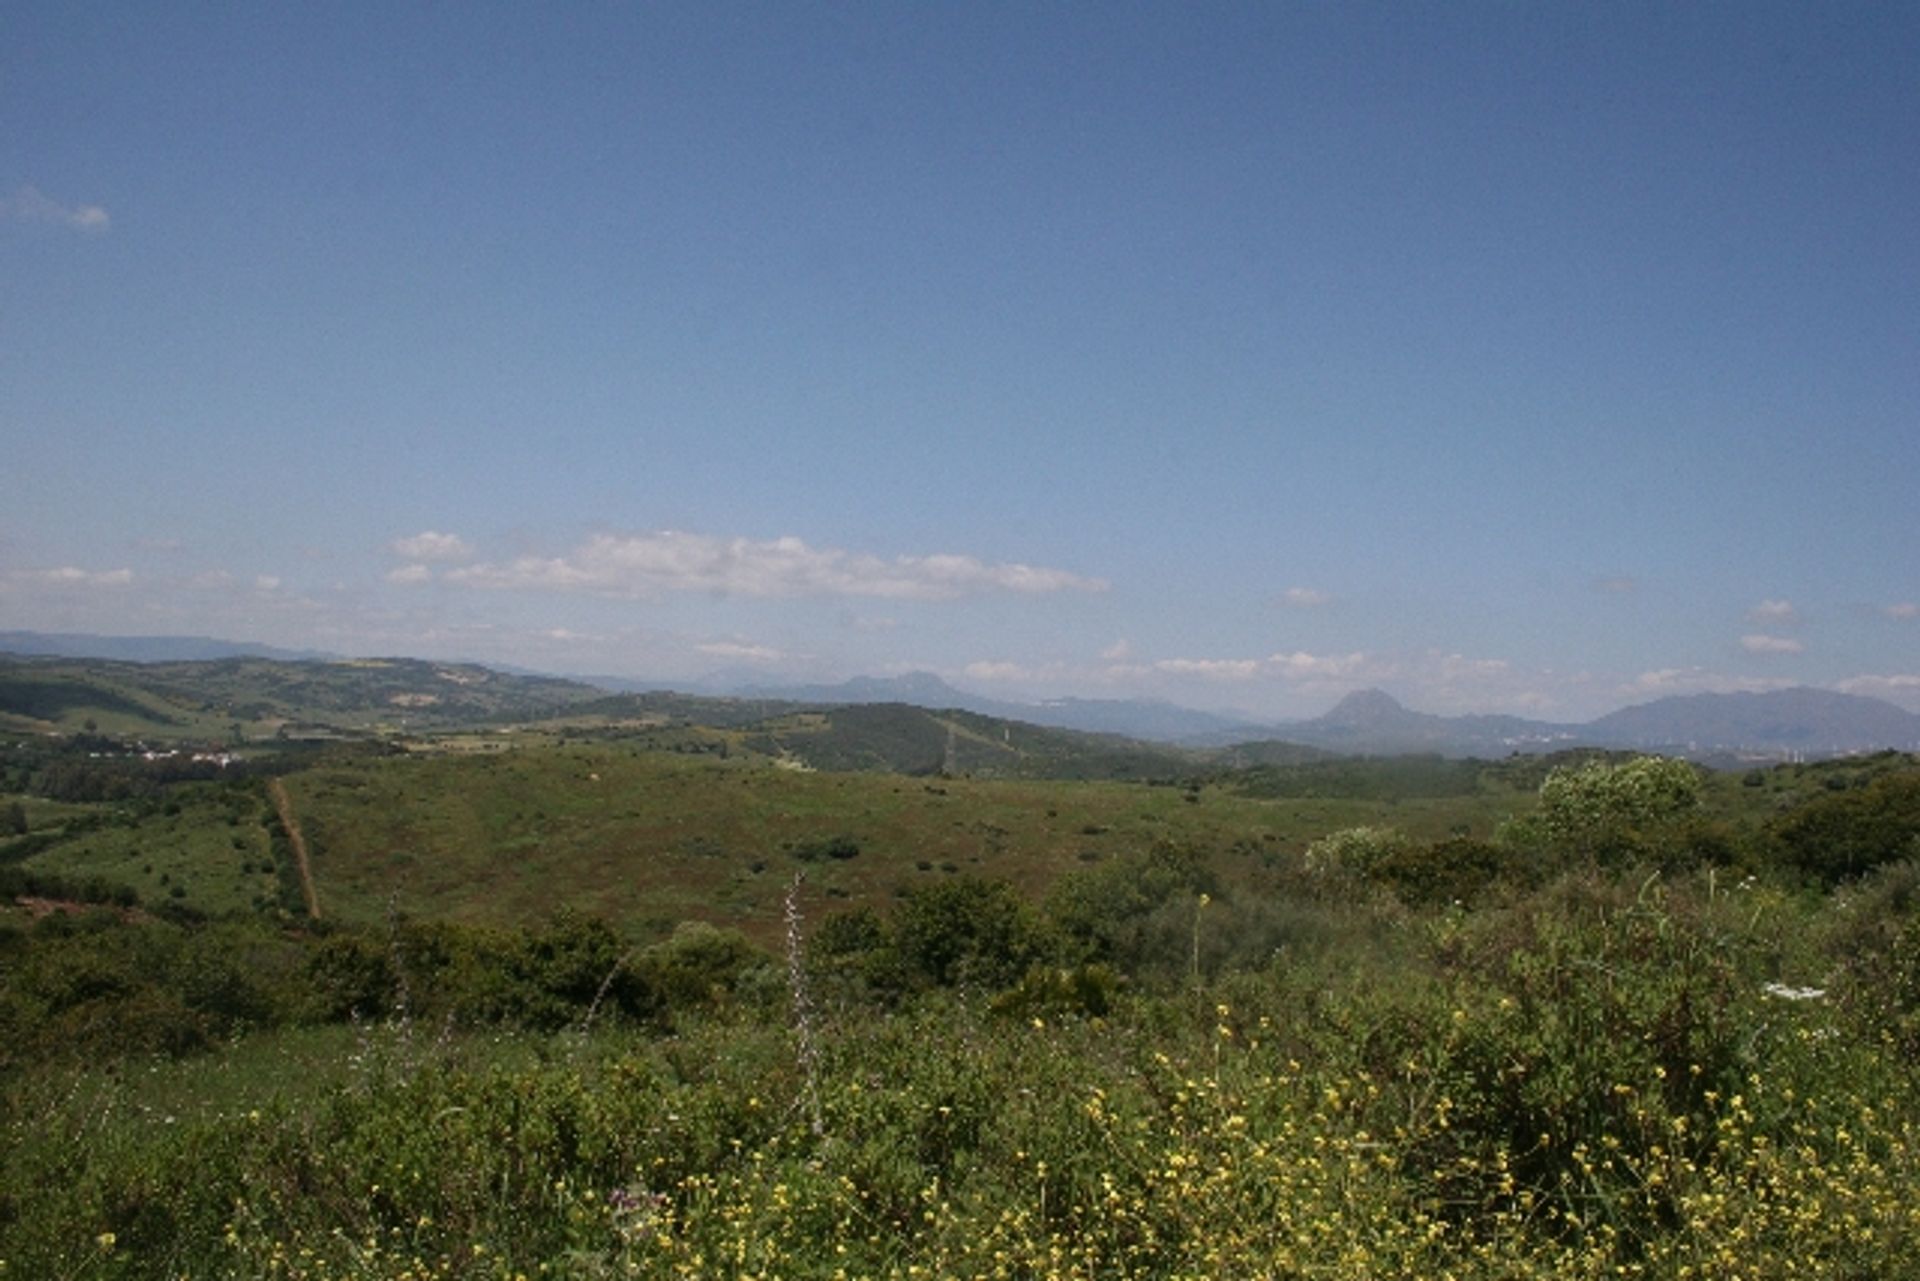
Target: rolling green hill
(247,698)
(458,707)
(650,838)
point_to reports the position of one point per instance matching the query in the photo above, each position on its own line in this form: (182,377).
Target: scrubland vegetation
(1598,1016)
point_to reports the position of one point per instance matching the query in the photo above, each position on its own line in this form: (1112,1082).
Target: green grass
(211,853)
(45,698)
(650,839)
(43,814)
(252,699)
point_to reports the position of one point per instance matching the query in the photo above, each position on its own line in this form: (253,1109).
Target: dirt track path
(284,804)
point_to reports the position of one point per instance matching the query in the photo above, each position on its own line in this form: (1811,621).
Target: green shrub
(1134,912)
(1082,991)
(1600,812)
(825,847)
(1355,851)
(1457,870)
(700,967)
(966,932)
(1841,835)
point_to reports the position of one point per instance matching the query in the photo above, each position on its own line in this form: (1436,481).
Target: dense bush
(967,932)
(1601,812)
(825,847)
(1457,870)
(700,967)
(1843,834)
(1134,913)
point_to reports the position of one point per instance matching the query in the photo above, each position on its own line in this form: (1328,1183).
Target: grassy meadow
(654,838)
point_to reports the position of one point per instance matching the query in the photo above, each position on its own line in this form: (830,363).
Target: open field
(649,839)
(654,839)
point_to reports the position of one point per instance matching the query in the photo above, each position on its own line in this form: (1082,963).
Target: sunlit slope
(249,698)
(650,839)
(69,698)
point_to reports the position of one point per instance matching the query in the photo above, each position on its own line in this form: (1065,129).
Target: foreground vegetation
(1602,1077)
(1587,1017)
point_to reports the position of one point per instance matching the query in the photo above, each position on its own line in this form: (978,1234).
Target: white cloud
(1118,652)
(73,576)
(1695,680)
(431,545)
(221,580)
(1773,611)
(1762,644)
(1905,609)
(997,671)
(1616,584)
(743,653)
(1219,669)
(1300,665)
(646,564)
(1871,684)
(1903,688)
(410,575)
(30,205)
(1305,597)
(1455,667)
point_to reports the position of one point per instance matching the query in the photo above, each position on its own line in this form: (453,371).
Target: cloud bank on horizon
(637,566)
(1528,361)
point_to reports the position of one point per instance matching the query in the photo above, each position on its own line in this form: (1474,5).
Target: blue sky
(1532,358)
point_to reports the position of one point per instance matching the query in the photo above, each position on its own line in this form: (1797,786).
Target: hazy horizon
(1532,361)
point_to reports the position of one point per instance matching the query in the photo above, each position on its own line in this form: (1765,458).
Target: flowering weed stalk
(806,1052)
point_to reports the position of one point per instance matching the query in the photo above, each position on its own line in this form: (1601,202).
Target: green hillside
(242,699)
(650,838)
(55,696)
(462,708)
(897,738)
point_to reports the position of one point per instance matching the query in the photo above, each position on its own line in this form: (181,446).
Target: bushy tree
(966,931)
(1134,912)
(1459,869)
(1609,813)
(1355,851)
(1843,834)
(700,965)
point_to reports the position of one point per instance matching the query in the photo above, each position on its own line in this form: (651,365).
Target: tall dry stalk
(806,1052)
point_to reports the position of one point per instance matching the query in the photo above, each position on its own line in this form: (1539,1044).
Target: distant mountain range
(1133,718)
(1716,727)
(1803,721)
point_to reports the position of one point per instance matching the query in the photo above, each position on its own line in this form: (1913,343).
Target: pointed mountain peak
(1366,707)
